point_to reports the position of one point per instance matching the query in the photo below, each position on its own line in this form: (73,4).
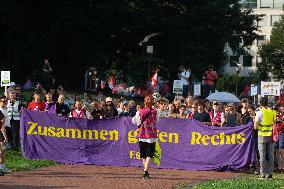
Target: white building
(271,11)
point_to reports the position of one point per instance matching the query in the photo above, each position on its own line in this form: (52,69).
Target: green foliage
(16,162)
(248,182)
(272,54)
(138,70)
(74,34)
(228,83)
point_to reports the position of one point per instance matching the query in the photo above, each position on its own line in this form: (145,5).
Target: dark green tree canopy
(74,34)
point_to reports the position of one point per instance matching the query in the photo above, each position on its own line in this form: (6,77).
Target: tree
(74,34)
(272,54)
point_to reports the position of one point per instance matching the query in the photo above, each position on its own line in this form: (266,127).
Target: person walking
(264,121)
(146,119)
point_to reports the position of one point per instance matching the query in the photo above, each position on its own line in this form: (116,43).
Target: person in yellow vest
(264,121)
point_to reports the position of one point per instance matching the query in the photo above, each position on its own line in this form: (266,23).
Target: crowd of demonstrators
(212,114)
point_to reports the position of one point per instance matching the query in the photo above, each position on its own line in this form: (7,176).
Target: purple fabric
(50,107)
(185,144)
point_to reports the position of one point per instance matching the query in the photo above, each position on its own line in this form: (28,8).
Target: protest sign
(185,144)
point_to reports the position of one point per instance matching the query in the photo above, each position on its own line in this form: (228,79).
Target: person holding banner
(245,115)
(216,115)
(264,121)
(36,104)
(231,118)
(201,115)
(146,119)
(50,106)
(62,109)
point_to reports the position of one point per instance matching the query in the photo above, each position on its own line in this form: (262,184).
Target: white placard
(270,88)
(178,87)
(150,49)
(5,78)
(253,90)
(197,89)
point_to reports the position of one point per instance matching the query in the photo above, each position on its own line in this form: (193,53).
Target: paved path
(97,177)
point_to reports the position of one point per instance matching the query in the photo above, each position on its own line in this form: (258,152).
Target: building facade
(271,11)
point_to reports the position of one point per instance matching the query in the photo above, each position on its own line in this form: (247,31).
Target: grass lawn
(246,182)
(16,162)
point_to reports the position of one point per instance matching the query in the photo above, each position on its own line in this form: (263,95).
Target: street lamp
(150,51)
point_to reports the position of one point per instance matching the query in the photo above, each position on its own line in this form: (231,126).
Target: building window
(261,40)
(262,22)
(266,3)
(247,61)
(249,4)
(274,18)
(278,3)
(233,61)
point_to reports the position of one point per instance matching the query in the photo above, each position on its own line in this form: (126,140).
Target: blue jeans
(266,149)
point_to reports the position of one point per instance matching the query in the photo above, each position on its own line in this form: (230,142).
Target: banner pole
(5,93)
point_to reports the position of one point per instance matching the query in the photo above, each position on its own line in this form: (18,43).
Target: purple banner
(185,144)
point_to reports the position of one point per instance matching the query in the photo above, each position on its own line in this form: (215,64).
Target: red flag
(154,79)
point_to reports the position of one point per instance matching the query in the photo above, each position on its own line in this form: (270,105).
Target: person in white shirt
(13,109)
(4,123)
(184,76)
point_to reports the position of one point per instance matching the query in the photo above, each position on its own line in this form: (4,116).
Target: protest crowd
(211,113)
